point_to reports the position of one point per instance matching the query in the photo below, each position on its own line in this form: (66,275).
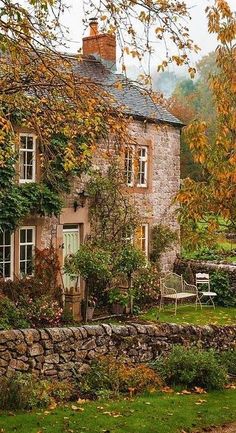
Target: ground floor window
(6,253)
(27,245)
(141,238)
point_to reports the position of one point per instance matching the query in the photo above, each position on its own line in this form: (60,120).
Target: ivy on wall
(43,198)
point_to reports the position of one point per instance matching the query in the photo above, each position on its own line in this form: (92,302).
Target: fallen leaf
(80,409)
(167,390)
(200,402)
(199,390)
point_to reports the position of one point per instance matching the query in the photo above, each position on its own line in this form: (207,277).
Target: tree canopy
(214,199)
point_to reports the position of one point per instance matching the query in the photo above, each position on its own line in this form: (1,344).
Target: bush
(24,391)
(220,284)
(41,312)
(228,360)
(146,286)
(11,316)
(44,281)
(190,368)
(26,312)
(162,239)
(113,376)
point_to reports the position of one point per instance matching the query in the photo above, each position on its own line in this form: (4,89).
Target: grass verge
(155,413)
(189,315)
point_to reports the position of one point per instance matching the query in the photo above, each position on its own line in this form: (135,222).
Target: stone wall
(59,353)
(191,267)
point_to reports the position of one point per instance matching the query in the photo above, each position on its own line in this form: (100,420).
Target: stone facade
(61,353)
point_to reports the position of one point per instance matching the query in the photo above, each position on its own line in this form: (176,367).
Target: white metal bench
(174,287)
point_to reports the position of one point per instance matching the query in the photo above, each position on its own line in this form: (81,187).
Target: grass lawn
(188,315)
(155,413)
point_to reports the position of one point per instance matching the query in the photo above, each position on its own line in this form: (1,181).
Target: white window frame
(26,243)
(131,156)
(34,157)
(11,257)
(142,159)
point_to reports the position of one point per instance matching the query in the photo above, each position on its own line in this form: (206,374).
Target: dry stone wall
(61,353)
(191,267)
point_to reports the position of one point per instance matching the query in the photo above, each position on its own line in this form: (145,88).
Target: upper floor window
(136,166)
(129,166)
(6,252)
(142,166)
(27,151)
(27,244)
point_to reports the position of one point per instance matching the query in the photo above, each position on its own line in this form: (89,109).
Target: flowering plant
(43,311)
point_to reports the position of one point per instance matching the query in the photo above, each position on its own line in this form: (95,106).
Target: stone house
(157,135)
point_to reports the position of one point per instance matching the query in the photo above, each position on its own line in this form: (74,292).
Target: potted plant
(93,265)
(91,307)
(118,300)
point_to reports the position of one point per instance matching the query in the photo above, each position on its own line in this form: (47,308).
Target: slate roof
(130,97)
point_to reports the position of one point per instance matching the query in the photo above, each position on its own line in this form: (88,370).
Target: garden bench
(174,287)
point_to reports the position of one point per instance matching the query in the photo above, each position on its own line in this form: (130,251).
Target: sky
(198,32)
(198,26)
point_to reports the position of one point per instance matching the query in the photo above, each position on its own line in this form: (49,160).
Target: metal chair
(203,279)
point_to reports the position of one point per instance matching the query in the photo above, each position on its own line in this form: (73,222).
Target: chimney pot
(93,24)
(100,45)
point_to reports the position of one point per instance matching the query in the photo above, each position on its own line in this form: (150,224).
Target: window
(142,167)
(6,254)
(136,166)
(129,166)
(27,151)
(141,238)
(27,243)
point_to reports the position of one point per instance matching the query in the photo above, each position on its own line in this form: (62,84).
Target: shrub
(44,281)
(114,376)
(220,284)
(228,360)
(11,316)
(41,312)
(24,391)
(191,367)
(162,239)
(146,286)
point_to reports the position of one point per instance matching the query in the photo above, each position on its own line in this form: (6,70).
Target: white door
(70,246)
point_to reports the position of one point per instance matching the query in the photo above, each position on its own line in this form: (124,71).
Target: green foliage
(41,312)
(190,368)
(91,262)
(228,360)
(146,286)
(24,391)
(130,260)
(220,284)
(162,238)
(109,376)
(11,316)
(42,198)
(203,253)
(27,312)
(112,212)
(115,295)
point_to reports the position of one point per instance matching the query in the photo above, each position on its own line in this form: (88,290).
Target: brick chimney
(100,45)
